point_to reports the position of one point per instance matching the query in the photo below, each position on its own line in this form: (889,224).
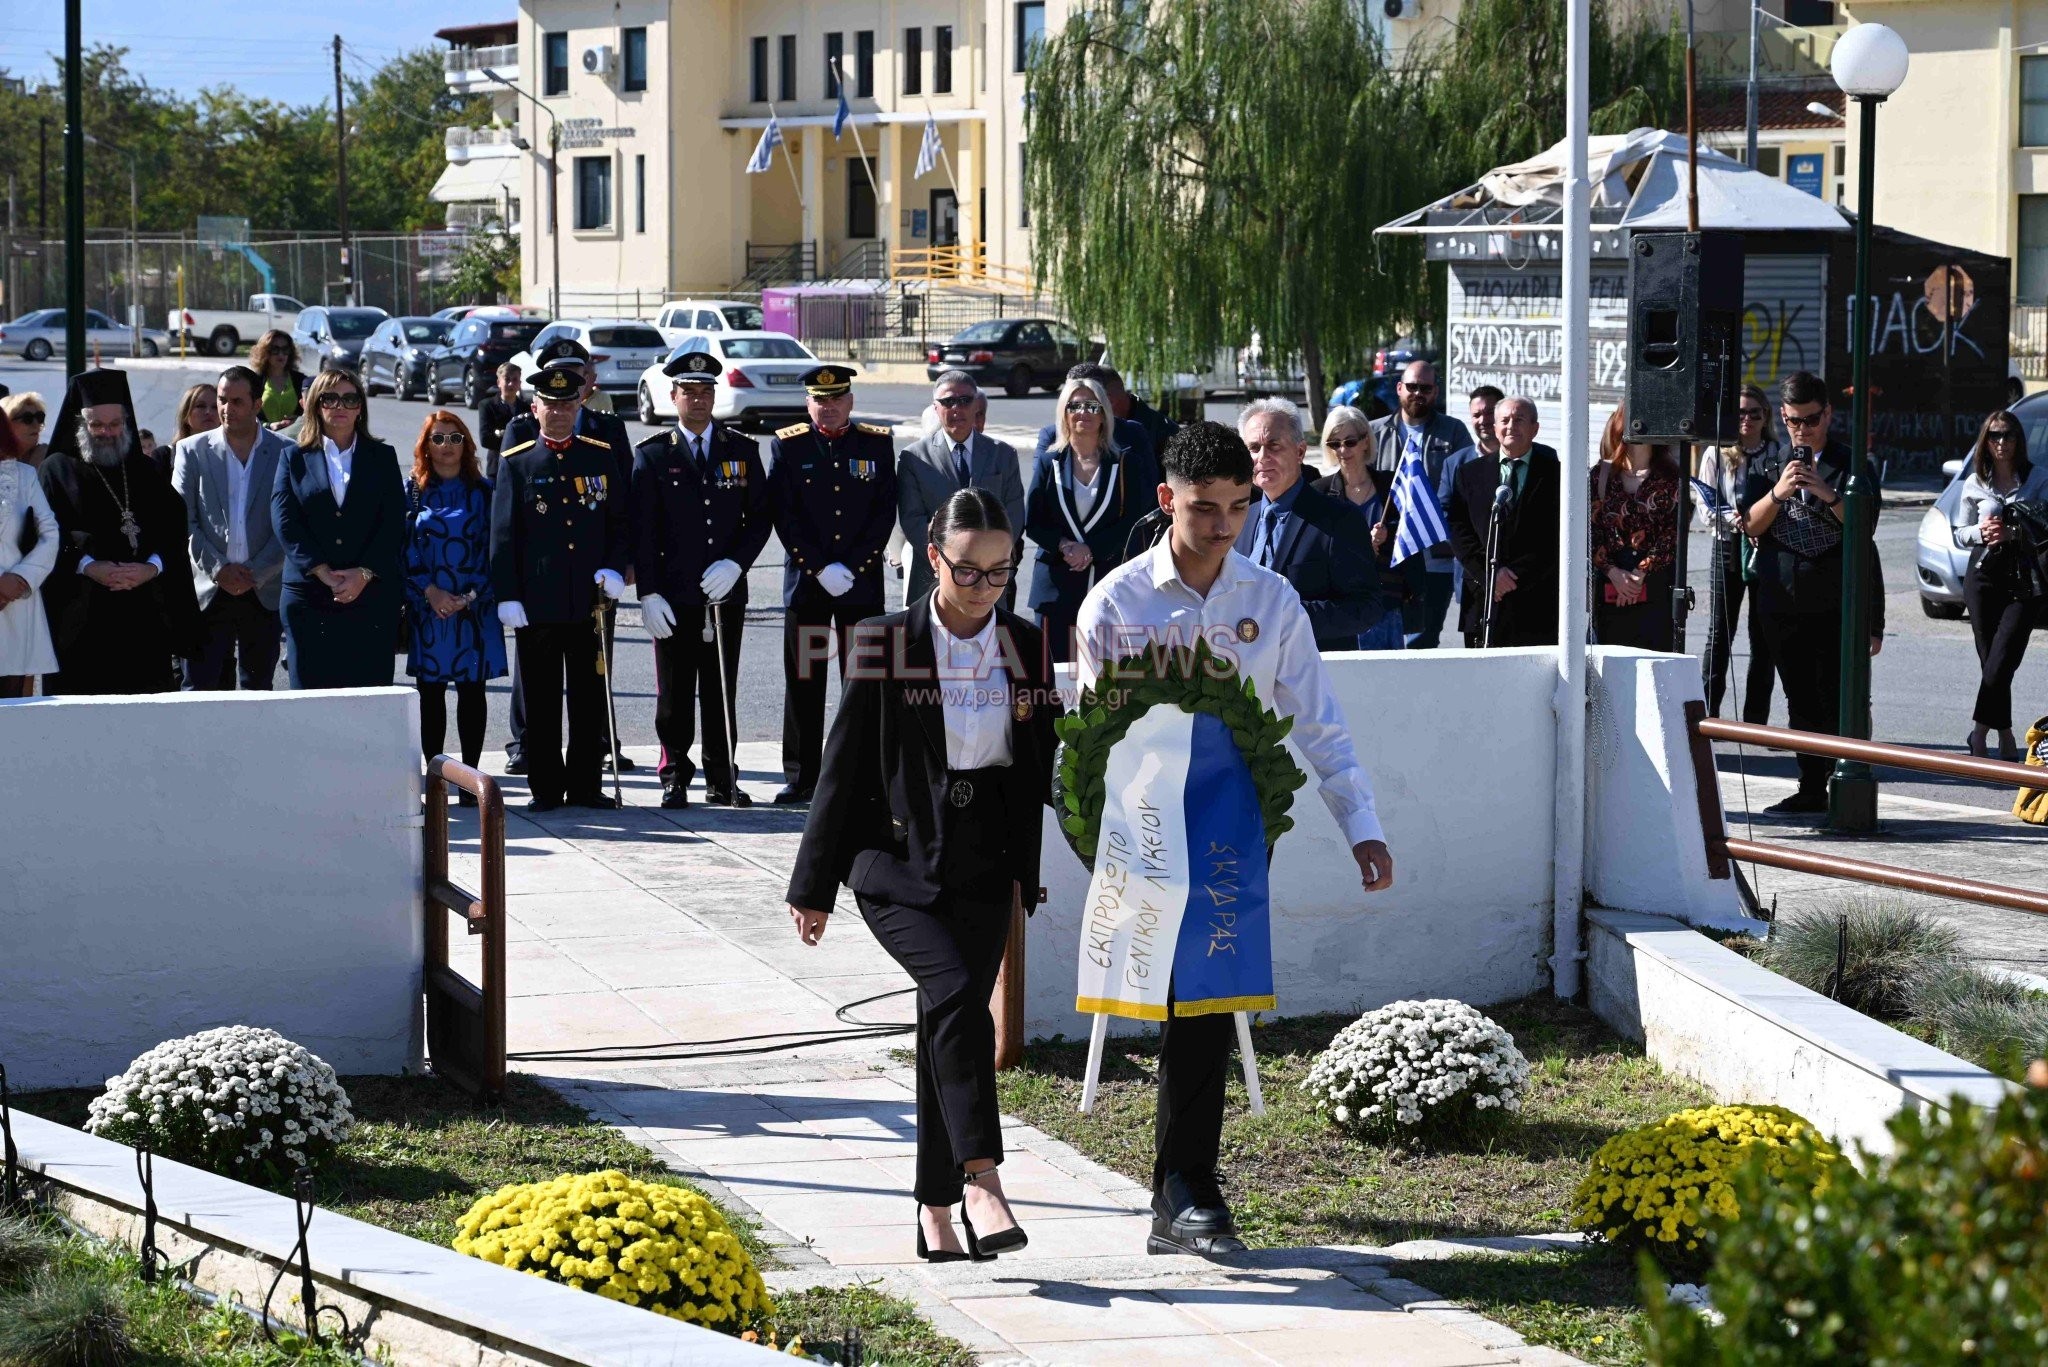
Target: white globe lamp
(1870,62)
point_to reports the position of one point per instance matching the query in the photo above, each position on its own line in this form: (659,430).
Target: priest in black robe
(120,598)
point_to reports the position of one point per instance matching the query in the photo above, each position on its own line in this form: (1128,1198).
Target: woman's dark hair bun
(968,510)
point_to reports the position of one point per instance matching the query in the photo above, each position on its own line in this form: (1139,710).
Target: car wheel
(476,393)
(38,349)
(647,413)
(1017,384)
(224,341)
(1942,612)
(149,347)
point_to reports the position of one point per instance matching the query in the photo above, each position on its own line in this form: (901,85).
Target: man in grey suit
(1445,444)
(953,457)
(225,477)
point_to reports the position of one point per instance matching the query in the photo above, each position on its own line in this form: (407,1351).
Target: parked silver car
(39,335)
(1939,563)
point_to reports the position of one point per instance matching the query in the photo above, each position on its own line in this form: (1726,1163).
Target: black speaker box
(1684,336)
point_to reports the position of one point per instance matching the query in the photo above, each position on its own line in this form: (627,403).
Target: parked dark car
(1375,396)
(467,366)
(1018,354)
(332,339)
(395,357)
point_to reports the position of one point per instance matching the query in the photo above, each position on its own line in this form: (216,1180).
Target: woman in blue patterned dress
(452,617)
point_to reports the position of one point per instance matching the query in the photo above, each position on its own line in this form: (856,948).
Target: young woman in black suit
(927,810)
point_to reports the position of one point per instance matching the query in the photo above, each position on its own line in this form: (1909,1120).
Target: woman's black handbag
(2025,552)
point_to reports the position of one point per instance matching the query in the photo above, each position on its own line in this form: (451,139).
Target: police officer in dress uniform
(559,539)
(701,497)
(832,485)
(609,428)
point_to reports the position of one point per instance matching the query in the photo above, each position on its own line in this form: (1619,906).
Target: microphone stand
(1502,497)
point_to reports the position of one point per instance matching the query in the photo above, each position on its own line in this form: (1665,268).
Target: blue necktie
(963,469)
(1265,546)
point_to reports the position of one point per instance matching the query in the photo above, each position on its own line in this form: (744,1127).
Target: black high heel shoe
(1003,1241)
(940,1255)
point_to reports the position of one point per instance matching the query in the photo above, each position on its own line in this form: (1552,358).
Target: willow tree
(1203,170)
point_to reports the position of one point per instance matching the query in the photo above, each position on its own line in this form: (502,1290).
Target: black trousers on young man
(557,658)
(689,683)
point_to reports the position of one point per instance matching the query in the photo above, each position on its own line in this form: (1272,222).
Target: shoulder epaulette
(514,450)
(795,429)
(876,429)
(585,436)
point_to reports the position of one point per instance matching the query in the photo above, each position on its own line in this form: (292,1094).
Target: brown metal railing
(1721,847)
(465,1020)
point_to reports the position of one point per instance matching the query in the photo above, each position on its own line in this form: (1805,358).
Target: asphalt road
(1923,684)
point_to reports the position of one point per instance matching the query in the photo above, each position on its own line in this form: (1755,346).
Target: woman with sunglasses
(2002,612)
(1087,493)
(1723,469)
(1347,436)
(452,631)
(958,743)
(339,510)
(26,414)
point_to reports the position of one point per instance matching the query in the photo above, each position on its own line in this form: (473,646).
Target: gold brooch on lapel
(1247,630)
(1021,708)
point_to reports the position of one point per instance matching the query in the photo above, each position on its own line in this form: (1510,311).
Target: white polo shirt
(1144,602)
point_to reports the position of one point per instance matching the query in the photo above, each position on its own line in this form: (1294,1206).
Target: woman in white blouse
(949,724)
(2003,619)
(28,551)
(1086,495)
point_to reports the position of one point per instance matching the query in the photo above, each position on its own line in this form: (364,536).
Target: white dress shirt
(1084,491)
(975,688)
(340,465)
(1144,602)
(238,505)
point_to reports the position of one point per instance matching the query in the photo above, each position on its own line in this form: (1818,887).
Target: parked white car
(681,317)
(220,331)
(620,348)
(760,378)
(39,335)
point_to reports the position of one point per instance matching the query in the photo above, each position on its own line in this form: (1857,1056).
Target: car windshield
(626,337)
(518,333)
(38,319)
(349,324)
(428,330)
(984,332)
(764,349)
(743,318)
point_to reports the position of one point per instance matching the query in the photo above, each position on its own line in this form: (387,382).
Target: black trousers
(1646,625)
(472,712)
(1194,1064)
(1756,685)
(239,638)
(515,744)
(1058,621)
(1807,650)
(814,629)
(688,683)
(554,658)
(2002,624)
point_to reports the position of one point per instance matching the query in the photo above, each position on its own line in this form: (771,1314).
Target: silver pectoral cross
(131,529)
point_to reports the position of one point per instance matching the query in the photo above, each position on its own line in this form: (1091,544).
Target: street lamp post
(1869,64)
(134,232)
(554,188)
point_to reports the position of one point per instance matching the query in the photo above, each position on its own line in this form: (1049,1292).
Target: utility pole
(74,190)
(1756,23)
(43,176)
(348,275)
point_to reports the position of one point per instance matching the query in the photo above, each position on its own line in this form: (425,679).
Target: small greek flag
(764,150)
(1422,517)
(928,150)
(845,112)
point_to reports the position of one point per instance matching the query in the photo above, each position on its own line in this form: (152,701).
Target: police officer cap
(564,349)
(828,381)
(558,382)
(692,367)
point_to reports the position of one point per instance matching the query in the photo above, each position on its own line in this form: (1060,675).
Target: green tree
(400,116)
(487,268)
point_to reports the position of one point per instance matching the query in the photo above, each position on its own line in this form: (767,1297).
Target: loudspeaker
(1684,336)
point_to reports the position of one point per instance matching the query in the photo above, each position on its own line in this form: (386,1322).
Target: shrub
(1668,1186)
(243,1101)
(26,1247)
(664,1248)
(1418,1068)
(1893,949)
(1937,1253)
(1990,1019)
(65,1318)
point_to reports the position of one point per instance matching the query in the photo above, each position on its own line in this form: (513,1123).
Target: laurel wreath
(1195,681)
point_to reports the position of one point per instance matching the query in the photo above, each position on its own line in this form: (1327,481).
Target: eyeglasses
(1810,420)
(958,401)
(29,416)
(1746,414)
(1084,406)
(1418,388)
(446,439)
(341,401)
(1342,443)
(2000,434)
(967,576)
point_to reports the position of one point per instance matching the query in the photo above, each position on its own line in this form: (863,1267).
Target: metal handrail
(465,1020)
(1874,752)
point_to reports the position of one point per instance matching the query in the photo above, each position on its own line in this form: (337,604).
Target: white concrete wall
(174,863)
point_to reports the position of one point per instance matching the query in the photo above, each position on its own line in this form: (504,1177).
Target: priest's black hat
(89,389)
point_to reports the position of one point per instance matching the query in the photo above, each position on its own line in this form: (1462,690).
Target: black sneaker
(1801,803)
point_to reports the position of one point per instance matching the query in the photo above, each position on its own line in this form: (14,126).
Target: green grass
(891,1330)
(1293,1178)
(1584,1302)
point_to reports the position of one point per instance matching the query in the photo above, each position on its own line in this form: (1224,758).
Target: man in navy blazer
(1321,545)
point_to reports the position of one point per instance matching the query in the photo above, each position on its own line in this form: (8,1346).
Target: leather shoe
(1799,804)
(793,797)
(515,766)
(603,802)
(626,766)
(1189,1215)
(728,797)
(674,797)
(542,804)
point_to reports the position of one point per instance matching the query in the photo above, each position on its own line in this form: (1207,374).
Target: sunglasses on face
(1343,443)
(2000,434)
(341,401)
(1750,414)
(958,401)
(445,439)
(1084,406)
(1810,420)
(1418,388)
(29,418)
(967,576)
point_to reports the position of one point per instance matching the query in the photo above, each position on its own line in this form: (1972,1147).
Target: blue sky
(275,50)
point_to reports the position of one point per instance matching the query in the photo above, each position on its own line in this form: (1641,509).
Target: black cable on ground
(686,1050)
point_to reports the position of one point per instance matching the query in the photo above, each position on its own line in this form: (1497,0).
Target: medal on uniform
(961,793)
(1247,630)
(1020,708)
(540,505)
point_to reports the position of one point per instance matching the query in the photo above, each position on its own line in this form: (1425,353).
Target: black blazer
(555,522)
(684,524)
(1528,546)
(876,821)
(1325,551)
(1107,529)
(367,530)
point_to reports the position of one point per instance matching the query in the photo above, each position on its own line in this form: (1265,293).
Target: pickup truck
(221,331)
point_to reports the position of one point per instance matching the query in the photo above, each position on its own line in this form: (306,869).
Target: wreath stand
(1100,1033)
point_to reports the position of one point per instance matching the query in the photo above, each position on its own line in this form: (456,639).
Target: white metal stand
(1099,1033)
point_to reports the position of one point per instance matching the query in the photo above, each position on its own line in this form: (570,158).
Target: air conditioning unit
(1403,9)
(597,60)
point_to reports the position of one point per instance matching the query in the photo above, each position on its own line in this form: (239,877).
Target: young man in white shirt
(1194,585)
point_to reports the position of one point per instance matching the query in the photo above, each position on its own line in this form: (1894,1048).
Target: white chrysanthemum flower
(1410,1060)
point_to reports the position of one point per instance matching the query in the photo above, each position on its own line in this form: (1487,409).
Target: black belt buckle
(961,792)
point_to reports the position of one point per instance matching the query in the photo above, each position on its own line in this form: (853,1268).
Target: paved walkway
(645,944)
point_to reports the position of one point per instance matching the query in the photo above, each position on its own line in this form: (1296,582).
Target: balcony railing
(462,61)
(2030,340)
(482,215)
(480,137)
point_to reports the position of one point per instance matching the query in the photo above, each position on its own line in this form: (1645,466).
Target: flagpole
(788,161)
(932,117)
(859,146)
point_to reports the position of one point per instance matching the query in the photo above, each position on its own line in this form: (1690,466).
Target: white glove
(512,615)
(613,586)
(719,577)
(657,616)
(836,578)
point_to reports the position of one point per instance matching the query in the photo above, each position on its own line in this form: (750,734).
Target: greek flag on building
(1422,517)
(928,149)
(764,150)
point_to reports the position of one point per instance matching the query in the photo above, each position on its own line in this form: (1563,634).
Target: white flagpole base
(1247,1058)
(1096,1035)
